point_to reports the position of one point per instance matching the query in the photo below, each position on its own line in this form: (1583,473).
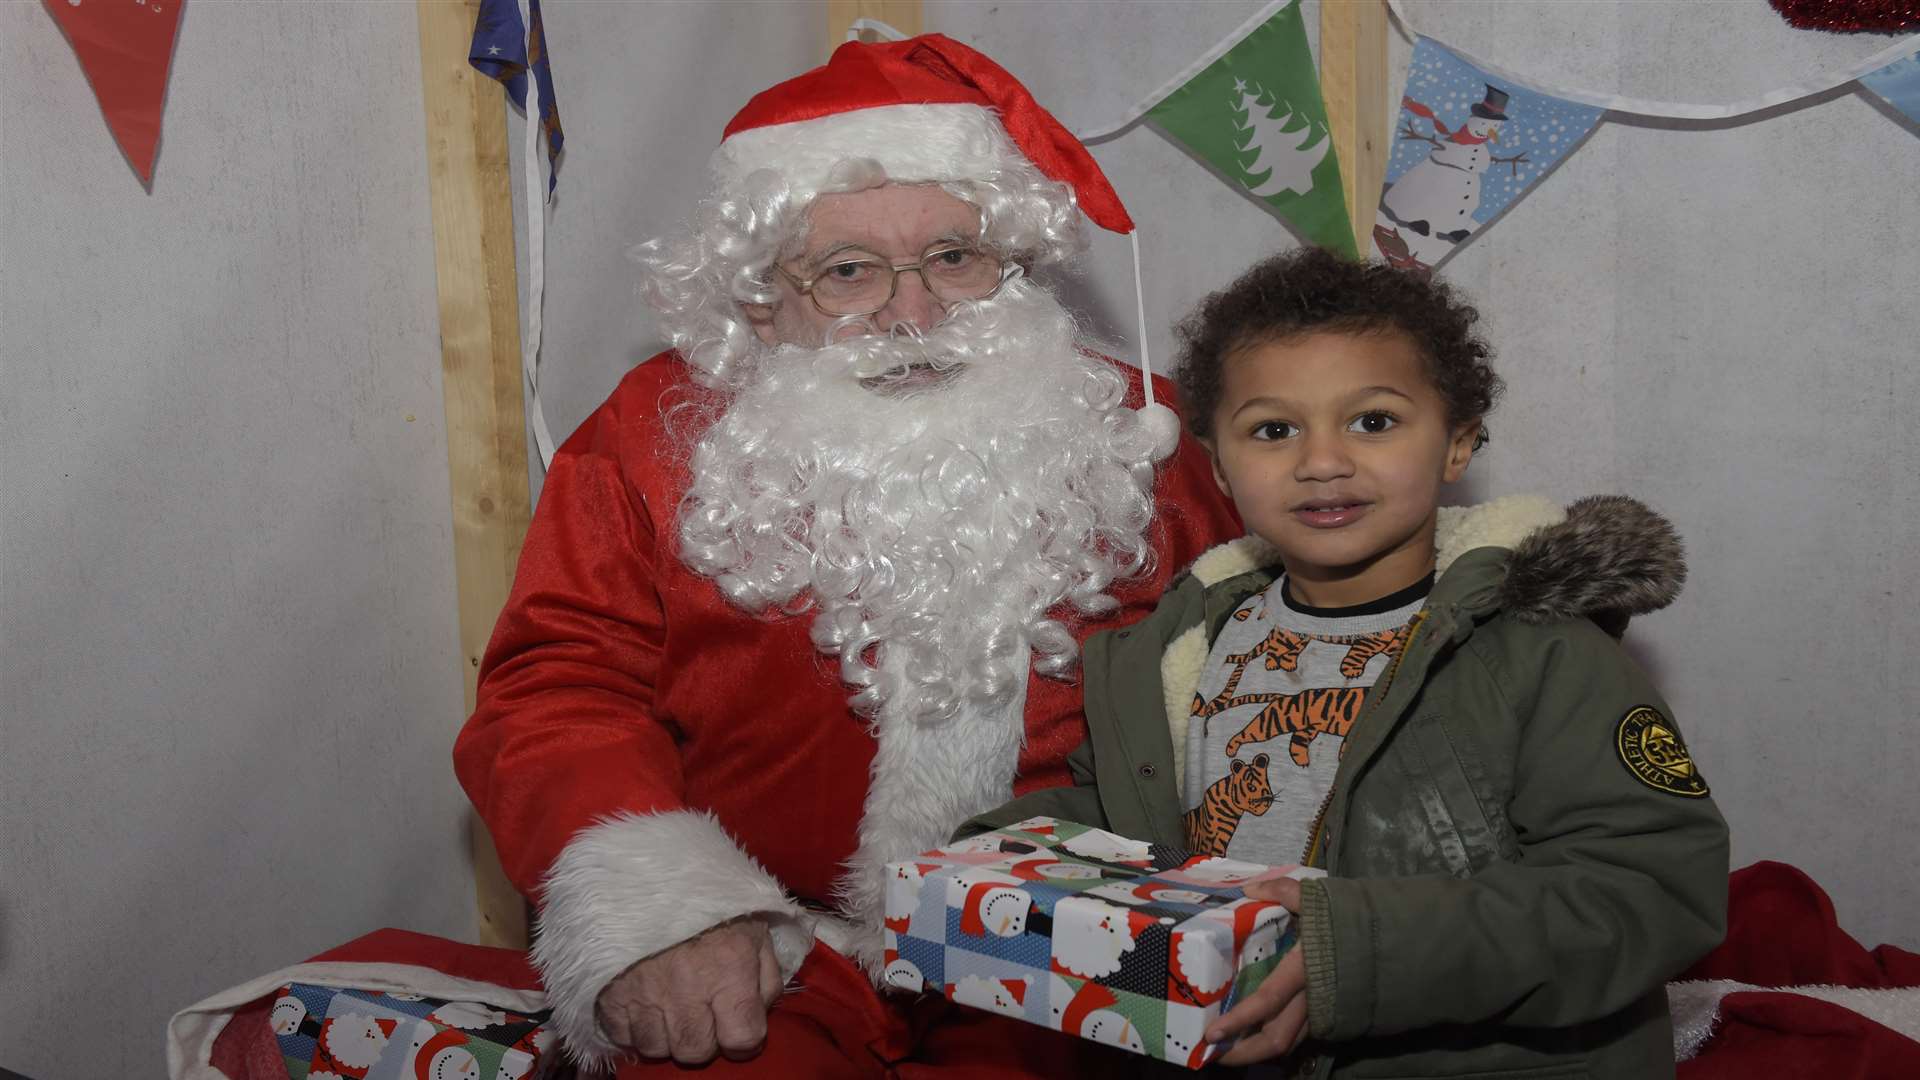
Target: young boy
(1425,702)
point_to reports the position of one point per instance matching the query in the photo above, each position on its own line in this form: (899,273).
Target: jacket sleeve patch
(1650,747)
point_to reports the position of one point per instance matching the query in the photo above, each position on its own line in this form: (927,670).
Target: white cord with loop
(536,211)
(1160,421)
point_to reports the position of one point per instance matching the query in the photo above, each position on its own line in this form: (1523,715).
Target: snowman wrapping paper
(1070,927)
(326,1033)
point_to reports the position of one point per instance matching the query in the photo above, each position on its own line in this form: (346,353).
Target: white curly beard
(934,501)
(932,528)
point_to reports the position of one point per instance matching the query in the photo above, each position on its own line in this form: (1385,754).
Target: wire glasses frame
(864,286)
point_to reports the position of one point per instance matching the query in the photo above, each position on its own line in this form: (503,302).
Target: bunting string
(1678,110)
(1145,105)
(1616,103)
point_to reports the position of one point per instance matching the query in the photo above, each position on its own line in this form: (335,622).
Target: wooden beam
(472,198)
(902,15)
(1353,79)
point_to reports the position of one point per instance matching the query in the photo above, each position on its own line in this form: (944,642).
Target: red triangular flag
(125,47)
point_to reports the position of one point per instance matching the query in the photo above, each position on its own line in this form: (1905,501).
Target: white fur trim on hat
(634,885)
(913,143)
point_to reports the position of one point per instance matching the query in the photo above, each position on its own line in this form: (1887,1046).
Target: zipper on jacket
(1315,832)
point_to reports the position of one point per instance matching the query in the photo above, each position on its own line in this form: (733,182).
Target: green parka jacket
(1520,853)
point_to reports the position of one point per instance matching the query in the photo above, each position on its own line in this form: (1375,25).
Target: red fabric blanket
(229,1035)
(1763,1006)
(1784,947)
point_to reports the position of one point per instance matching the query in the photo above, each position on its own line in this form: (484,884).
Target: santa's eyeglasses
(862,284)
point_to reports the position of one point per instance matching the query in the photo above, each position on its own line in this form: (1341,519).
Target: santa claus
(807,591)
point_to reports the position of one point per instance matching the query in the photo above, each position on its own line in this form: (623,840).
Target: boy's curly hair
(1312,290)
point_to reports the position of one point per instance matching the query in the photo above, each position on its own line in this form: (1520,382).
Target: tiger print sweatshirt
(1279,693)
(1520,850)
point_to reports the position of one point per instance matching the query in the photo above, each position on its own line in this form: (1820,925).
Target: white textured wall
(645,89)
(230,662)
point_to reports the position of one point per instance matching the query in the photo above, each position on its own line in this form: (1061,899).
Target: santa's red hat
(928,109)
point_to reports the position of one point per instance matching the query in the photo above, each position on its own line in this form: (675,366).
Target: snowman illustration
(1438,198)
(1085,1010)
(1005,996)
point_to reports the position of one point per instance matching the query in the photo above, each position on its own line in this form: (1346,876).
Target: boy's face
(1333,447)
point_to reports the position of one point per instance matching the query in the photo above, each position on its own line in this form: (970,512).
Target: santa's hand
(1273,1019)
(706,995)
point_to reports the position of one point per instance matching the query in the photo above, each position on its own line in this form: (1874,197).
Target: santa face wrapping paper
(1074,928)
(368,1035)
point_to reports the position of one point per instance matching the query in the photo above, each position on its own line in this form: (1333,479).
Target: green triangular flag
(1256,116)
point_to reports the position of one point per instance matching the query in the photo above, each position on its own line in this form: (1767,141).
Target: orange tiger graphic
(1305,715)
(1282,649)
(1364,647)
(1244,790)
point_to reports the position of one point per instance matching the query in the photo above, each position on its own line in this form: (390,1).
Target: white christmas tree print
(1286,159)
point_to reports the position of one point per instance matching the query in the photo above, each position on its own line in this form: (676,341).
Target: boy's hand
(1273,1019)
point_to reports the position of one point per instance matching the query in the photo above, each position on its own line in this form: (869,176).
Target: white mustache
(875,355)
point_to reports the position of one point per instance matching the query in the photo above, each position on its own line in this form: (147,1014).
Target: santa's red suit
(693,761)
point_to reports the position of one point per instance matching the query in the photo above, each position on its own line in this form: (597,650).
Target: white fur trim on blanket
(192,1031)
(1696,1008)
(633,885)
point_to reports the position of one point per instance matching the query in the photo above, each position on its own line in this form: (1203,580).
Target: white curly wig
(765,178)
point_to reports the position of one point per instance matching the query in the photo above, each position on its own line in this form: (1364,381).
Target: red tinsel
(1850,16)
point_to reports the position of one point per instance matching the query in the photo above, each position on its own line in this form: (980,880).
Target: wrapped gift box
(346,1034)
(1074,928)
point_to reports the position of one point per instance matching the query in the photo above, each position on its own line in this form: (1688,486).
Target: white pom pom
(1161,423)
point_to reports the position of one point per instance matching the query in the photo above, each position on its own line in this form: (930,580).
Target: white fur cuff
(634,885)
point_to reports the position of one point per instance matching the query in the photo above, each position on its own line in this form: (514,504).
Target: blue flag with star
(503,49)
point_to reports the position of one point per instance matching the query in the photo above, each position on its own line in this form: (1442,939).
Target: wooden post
(472,196)
(902,15)
(1353,80)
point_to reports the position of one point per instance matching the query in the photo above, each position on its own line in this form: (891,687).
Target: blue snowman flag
(1469,145)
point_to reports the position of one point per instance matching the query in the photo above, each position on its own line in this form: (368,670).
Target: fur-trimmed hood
(1612,556)
(1605,556)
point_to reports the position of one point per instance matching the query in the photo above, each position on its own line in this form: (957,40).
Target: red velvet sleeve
(564,731)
